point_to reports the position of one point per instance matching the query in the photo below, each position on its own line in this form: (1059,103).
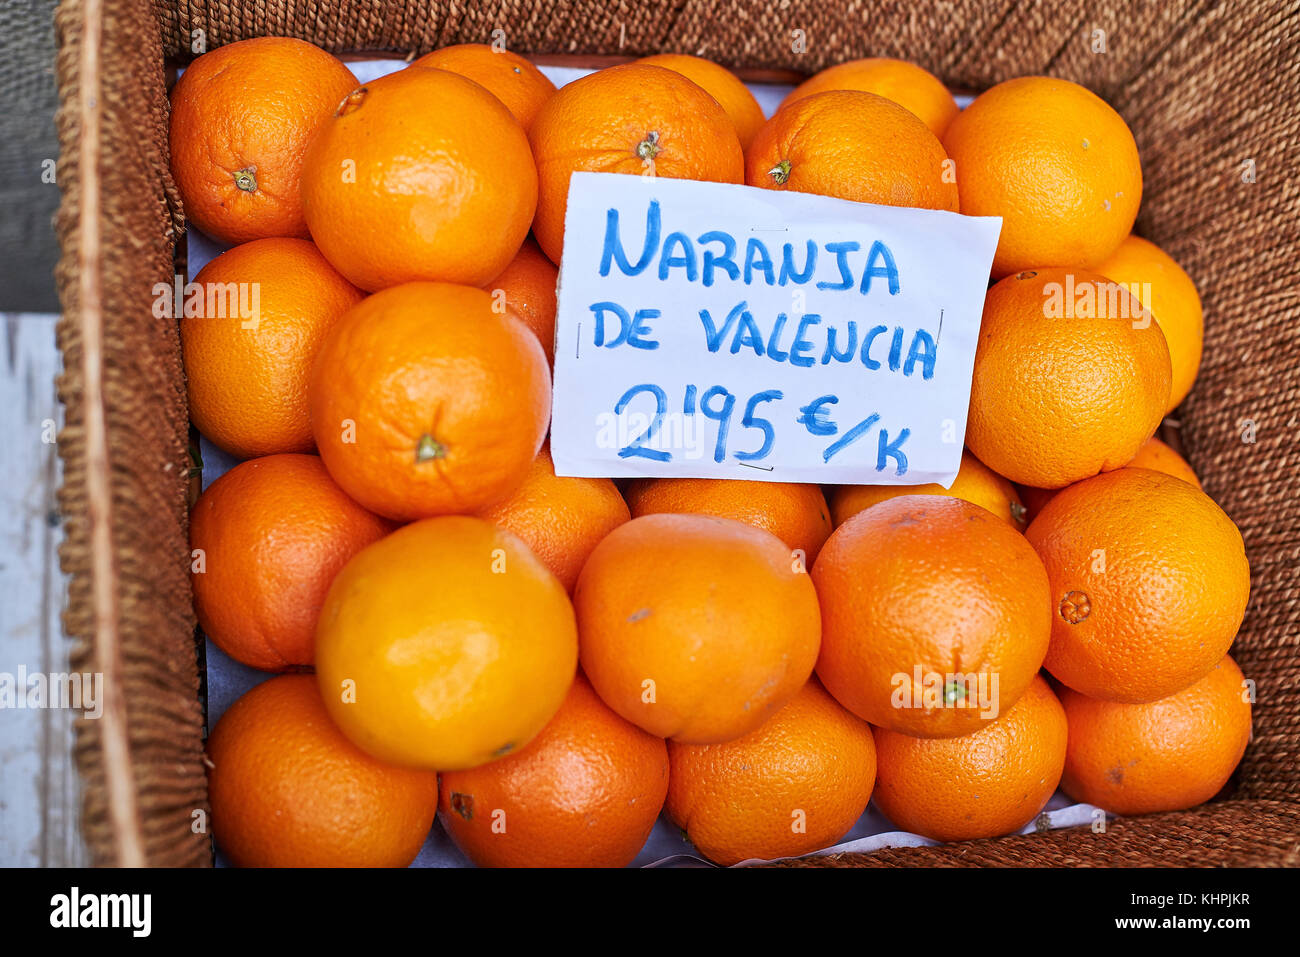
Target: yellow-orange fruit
(1152,274)
(1067,382)
(1056,163)
(287,789)
(1163,755)
(561,518)
(935,615)
(793,785)
(985,784)
(975,482)
(419,175)
(910,86)
(424,401)
(1149,581)
(584,793)
(793,512)
(695,628)
(855,146)
(267,306)
(241,118)
(445,645)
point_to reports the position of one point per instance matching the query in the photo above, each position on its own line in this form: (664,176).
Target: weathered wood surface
(39,800)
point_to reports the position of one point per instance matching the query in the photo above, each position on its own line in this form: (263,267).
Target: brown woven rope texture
(123,446)
(1209,89)
(1225,834)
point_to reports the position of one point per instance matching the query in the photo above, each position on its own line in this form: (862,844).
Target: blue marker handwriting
(716,254)
(721,405)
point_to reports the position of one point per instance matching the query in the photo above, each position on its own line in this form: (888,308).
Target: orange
(637,119)
(1056,163)
(910,86)
(721,84)
(287,789)
(249,345)
(421,174)
(1151,274)
(1149,582)
(585,793)
(795,513)
(267,538)
(424,401)
(975,482)
(241,118)
(695,628)
(1156,455)
(855,146)
(527,288)
(560,518)
(795,784)
(985,784)
(445,645)
(1066,384)
(1164,755)
(935,615)
(512,79)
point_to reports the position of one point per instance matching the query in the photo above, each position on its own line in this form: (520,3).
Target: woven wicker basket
(1210,90)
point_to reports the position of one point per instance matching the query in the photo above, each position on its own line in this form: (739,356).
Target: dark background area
(27,141)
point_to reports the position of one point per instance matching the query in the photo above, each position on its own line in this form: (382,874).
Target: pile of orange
(548,663)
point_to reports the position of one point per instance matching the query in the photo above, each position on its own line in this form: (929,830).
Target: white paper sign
(715,331)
